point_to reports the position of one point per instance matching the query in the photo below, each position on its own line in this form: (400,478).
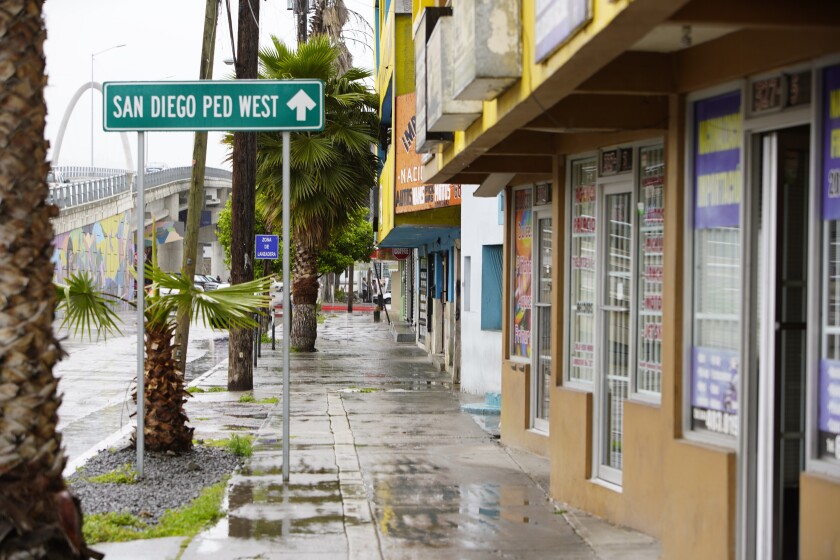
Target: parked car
(387,297)
(198,284)
(207,282)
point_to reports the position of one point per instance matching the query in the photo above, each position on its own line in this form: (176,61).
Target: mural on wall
(104,249)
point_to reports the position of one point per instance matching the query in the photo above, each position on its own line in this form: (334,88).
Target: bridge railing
(118,182)
(83,172)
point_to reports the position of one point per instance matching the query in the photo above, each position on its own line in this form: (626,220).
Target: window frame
(633,176)
(817,287)
(706,437)
(567,380)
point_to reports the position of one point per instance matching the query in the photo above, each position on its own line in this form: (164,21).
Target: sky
(162,41)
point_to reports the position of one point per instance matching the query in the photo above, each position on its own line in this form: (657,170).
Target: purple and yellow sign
(522,274)
(714,390)
(831,145)
(717,161)
(829,413)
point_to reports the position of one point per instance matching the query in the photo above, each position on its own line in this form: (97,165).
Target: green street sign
(281,105)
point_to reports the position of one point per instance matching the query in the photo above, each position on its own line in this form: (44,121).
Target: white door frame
(766,306)
(626,185)
(538,213)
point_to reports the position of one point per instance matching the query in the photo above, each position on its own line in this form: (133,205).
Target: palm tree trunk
(305,292)
(165,419)
(39,518)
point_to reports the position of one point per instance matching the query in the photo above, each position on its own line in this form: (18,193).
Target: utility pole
(243,200)
(301,9)
(196,197)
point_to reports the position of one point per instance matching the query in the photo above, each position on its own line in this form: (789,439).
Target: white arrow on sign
(301,103)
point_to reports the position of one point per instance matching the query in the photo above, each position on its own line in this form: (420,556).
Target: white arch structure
(129,164)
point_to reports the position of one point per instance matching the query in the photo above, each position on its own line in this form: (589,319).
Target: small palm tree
(332,171)
(86,310)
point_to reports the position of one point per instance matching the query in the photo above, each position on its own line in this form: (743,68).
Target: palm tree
(85,310)
(165,427)
(39,518)
(332,171)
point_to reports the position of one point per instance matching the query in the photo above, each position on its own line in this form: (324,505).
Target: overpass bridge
(95,226)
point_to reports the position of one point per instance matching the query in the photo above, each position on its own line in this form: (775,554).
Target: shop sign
(829,414)
(714,389)
(616,161)
(717,161)
(556,22)
(779,92)
(411,194)
(522,274)
(401,254)
(831,145)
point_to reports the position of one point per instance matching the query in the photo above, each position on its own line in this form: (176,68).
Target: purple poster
(831,144)
(717,161)
(714,390)
(829,408)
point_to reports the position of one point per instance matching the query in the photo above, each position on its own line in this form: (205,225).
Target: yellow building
(415,215)
(672,179)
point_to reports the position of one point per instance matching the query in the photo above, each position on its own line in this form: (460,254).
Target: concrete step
(402,332)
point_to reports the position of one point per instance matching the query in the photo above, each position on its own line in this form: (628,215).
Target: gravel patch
(169,481)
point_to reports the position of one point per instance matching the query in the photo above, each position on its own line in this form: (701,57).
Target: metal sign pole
(287,306)
(140,253)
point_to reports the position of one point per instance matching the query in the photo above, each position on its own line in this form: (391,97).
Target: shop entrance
(616,298)
(779,282)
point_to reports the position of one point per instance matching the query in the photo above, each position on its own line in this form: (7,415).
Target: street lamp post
(92,56)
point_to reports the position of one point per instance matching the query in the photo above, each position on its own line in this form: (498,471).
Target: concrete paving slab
(152,549)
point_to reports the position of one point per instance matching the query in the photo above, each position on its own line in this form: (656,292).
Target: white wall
(481,351)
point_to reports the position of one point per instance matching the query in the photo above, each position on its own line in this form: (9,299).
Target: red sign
(401,254)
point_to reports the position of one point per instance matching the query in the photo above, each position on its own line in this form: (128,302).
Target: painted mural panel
(104,249)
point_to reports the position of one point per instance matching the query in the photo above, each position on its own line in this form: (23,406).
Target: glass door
(617,336)
(541,381)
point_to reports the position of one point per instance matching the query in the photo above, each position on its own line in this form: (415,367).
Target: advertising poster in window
(717,162)
(411,194)
(583,280)
(523,217)
(828,444)
(829,415)
(651,258)
(831,145)
(715,360)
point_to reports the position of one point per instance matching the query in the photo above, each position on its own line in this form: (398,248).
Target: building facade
(671,177)
(414,214)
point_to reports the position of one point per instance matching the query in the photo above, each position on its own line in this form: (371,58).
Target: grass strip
(186,521)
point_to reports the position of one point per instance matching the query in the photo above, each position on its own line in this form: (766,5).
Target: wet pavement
(383,465)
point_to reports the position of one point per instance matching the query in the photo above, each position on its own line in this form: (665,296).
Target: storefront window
(716,290)
(523,218)
(583,281)
(651,247)
(828,439)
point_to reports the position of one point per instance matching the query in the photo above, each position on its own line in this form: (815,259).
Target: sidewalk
(383,465)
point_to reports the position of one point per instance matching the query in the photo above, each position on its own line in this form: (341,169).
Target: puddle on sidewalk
(215,351)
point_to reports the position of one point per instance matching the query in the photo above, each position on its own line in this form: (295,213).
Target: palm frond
(85,308)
